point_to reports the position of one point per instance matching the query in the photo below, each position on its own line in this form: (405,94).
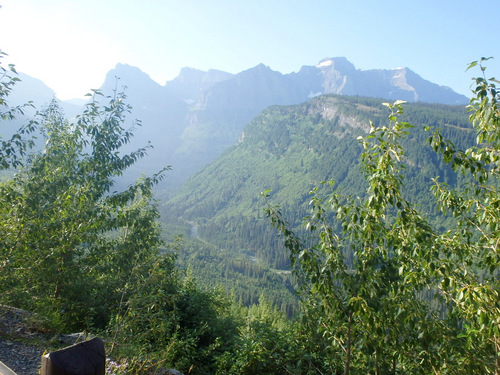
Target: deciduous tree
(68,241)
(392,293)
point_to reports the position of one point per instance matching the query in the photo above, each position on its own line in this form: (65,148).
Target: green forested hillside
(289,150)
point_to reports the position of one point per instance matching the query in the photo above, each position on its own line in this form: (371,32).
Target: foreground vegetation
(383,289)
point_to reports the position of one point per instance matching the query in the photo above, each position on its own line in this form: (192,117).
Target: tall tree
(392,293)
(469,267)
(68,241)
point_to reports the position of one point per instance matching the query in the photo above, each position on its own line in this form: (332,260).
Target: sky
(71,44)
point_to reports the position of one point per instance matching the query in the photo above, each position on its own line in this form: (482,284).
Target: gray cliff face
(255,88)
(338,76)
(191,83)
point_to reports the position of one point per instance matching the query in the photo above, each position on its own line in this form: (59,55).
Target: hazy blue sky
(71,44)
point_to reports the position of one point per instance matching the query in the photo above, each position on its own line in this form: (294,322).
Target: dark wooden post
(85,358)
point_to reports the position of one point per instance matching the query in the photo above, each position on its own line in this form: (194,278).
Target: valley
(290,150)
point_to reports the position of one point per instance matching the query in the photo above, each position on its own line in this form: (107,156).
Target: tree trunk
(348,346)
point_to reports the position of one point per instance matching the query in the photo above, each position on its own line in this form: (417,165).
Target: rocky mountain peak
(136,82)
(128,72)
(340,64)
(191,83)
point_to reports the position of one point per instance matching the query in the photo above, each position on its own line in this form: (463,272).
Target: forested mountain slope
(291,149)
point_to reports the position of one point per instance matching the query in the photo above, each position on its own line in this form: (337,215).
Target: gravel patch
(16,352)
(21,358)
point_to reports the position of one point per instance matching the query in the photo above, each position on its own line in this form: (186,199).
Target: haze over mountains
(196,116)
(230,136)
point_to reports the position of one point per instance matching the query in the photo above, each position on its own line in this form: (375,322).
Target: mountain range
(230,136)
(196,116)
